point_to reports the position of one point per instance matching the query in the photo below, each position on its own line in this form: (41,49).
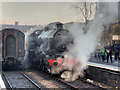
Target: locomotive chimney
(16,23)
(59,26)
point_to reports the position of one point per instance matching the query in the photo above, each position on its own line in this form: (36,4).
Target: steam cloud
(85,43)
(25,62)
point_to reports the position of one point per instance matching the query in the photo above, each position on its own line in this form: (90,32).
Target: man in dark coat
(108,50)
(116,50)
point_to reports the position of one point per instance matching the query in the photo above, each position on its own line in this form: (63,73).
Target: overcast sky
(39,12)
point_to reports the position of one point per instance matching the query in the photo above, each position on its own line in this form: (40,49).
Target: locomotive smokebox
(59,26)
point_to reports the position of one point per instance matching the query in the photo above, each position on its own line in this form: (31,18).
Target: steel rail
(99,86)
(65,83)
(61,81)
(3,74)
(72,86)
(35,84)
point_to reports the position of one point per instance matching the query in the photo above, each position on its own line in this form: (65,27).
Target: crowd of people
(106,52)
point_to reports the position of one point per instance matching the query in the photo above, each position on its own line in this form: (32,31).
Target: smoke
(28,41)
(85,43)
(25,60)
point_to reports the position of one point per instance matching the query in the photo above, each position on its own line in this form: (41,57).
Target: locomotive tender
(12,47)
(47,45)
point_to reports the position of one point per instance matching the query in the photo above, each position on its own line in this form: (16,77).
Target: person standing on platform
(116,51)
(119,51)
(108,50)
(102,52)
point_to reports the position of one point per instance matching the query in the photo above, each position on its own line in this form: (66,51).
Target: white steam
(25,60)
(28,40)
(85,43)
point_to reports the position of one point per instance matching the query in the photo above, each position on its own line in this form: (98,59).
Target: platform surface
(104,66)
(2,85)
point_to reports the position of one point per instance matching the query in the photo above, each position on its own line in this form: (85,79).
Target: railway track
(78,84)
(45,80)
(65,83)
(32,79)
(18,79)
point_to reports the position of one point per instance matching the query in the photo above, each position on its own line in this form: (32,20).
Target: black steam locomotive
(12,47)
(47,45)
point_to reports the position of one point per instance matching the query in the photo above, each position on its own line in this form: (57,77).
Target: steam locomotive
(12,47)
(46,48)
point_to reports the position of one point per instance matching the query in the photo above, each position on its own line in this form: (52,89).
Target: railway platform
(103,72)
(2,85)
(105,66)
(99,61)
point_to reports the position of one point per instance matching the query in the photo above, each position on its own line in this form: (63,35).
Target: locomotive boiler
(46,47)
(12,47)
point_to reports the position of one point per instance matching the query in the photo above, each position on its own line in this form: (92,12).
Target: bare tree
(87,10)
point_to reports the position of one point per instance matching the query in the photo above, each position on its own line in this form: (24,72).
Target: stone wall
(108,77)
